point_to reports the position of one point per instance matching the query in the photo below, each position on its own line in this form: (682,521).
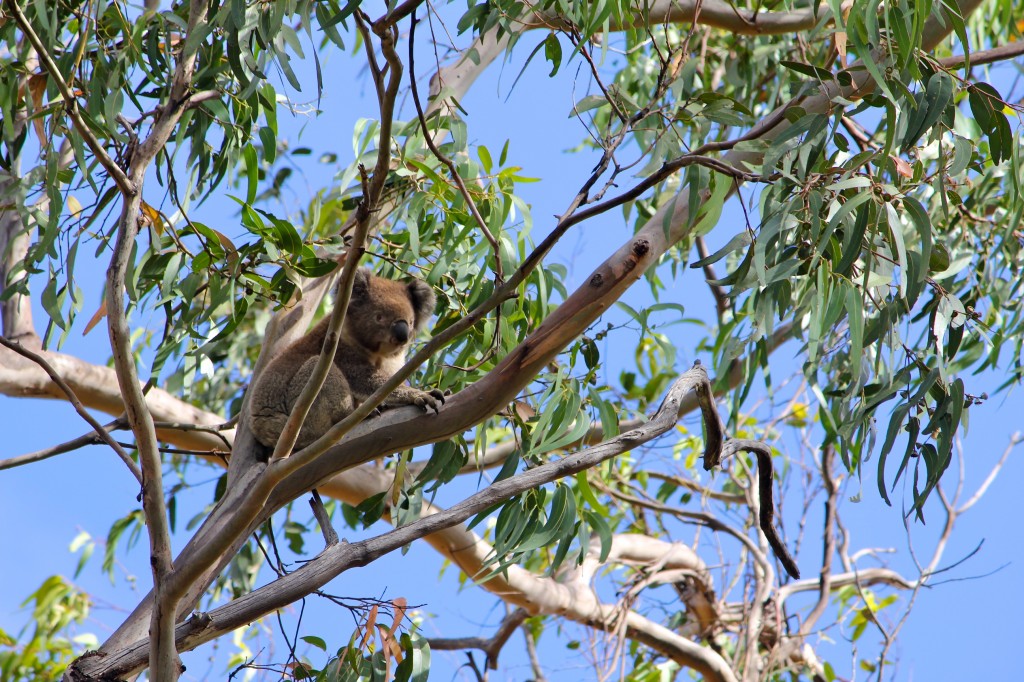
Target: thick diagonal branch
(337,559)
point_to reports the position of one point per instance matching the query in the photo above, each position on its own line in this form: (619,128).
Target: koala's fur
(382,319)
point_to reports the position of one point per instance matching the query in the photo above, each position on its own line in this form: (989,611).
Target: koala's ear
(423,302)
(361,284)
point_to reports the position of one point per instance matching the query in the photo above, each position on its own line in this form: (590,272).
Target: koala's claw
(430,400)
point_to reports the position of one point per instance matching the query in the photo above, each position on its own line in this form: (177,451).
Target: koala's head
(384,315)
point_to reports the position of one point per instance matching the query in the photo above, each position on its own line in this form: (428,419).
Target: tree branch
(866,577)
(765,477)
(164,661)
(828,542)
(336,559)
(491,646)
(713,13)
(96,386)
(100,431)
(990,56)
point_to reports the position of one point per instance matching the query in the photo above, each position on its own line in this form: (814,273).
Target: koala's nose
(401,331)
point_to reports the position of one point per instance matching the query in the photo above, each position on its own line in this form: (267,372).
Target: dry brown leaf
(100,313)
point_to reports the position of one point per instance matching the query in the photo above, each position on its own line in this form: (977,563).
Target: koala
(382,319)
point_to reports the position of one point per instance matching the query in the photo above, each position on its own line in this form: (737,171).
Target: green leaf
(588,494)
(963,152)
(738,274)
(855,318)
(563,507)
(982,103)
(597,522)
(553,52)
(252,173)
(485,158)
(913,430)
(509,466)
(284,234)
(896,230)
(315,641)
(415,665)
(446,460)
(956,17)
(938,95)
(1000,140)
(739,241)
(587,103)
(868,60)
(709,211)
(895,422)
(52,302)
(815,72)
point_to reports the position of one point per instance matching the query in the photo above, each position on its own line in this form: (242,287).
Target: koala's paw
(430,400)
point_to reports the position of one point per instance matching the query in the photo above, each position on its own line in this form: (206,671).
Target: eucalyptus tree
(868,148)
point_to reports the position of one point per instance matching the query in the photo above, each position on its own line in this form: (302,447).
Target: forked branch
(341,557)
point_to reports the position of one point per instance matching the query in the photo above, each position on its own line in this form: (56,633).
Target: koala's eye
(380,317)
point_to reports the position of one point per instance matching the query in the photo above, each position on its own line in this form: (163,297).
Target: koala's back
(278,388)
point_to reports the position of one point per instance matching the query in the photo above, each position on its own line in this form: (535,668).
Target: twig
(323,518)
(491,646)
(722,304)
(703,491)
(399,13)
(101,432)
(869,613)
(531,652)
(579,42)
(828,540)
(765,474)
(496,455)
(1015,440)
(667,169)
(995,54)
(459,182)
(701,518)
(755,605)
(868,576)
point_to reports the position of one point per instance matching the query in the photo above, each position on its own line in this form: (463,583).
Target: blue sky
(963,628)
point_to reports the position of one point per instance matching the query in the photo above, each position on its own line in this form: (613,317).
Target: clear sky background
(965,626)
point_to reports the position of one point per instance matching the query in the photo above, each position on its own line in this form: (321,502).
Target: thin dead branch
(491,646)
(99,431)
